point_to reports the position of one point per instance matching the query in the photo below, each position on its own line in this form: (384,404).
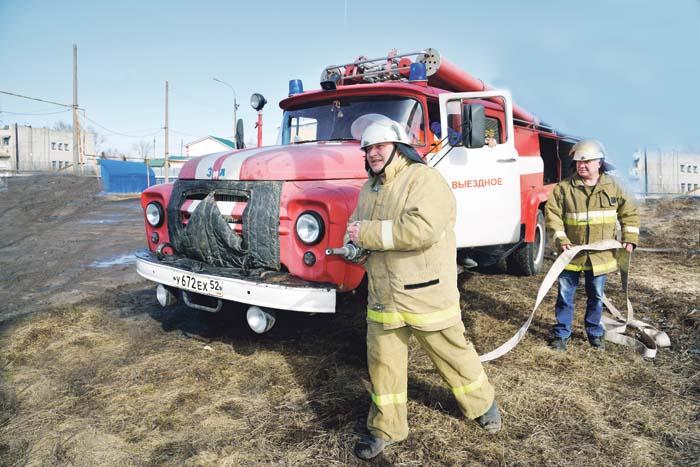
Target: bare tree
(113,153)
(62,126)
(100,139)
(143,149)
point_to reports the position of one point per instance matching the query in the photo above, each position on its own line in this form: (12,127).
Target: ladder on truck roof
(394,66)
(439,72)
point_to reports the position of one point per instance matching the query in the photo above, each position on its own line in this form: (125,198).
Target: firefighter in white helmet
(406,217)
(582,209)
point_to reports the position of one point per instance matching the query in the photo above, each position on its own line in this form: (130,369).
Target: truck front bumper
(274,290)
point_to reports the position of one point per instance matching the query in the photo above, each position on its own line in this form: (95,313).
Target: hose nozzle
(350,252)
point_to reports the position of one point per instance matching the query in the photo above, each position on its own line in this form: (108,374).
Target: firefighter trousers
(387,361)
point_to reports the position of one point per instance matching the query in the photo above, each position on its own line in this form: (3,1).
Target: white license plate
(199,284)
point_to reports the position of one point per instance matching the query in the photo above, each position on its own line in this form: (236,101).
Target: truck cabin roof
(405,89)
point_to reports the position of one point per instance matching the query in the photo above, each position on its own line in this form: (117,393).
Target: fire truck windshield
(331,120)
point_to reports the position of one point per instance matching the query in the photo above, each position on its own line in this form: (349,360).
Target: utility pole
(646,173)
(235,108)
(166,163)
(235,122)
(16,150)
(76,130)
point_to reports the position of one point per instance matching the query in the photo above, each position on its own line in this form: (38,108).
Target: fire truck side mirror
(473,126)
(239,134)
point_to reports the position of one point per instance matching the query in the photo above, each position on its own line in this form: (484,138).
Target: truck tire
(528,258)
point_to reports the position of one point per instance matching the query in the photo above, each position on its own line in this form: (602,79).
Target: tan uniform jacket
(408,223)
(580,215)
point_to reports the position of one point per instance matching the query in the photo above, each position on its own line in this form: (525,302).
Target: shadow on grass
(327,353)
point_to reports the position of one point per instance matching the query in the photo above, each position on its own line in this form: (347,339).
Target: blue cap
(436,128)
(417,72)
(295,87)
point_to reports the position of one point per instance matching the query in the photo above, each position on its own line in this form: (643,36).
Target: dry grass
(671,223)
(120,381)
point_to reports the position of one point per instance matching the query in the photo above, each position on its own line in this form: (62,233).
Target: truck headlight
(310,228)
(154,214)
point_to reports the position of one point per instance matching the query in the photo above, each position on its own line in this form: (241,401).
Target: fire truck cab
(252,225)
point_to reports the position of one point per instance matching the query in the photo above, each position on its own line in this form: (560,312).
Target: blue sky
(625,72)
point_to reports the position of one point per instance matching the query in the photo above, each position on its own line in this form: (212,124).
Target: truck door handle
(512,159)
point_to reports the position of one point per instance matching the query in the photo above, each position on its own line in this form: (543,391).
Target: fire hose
(650,338)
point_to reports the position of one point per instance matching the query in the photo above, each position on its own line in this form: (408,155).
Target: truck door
(485,180)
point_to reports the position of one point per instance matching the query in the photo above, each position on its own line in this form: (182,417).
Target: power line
(37,99)
(148,132)
(38,113)
(123,134)
(46,109)
(192,100)
(182,133)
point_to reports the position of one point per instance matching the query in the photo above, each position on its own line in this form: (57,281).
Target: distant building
(199,147)
(25,148)
(208,145)
(175,164)
(666,172)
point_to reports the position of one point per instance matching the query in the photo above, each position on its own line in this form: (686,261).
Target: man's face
(588,170)
(378,154)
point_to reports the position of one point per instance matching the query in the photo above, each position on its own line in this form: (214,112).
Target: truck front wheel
(528,258)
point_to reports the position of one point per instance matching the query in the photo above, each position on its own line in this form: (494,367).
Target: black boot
(491,420)
(370,446)
(597,342)
(559,344)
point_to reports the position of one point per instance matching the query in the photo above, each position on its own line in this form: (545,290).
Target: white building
(666,172)
(25,148)
(208,145)
(175,163)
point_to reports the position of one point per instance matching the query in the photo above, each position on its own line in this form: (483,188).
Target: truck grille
(226,223)
(230,206)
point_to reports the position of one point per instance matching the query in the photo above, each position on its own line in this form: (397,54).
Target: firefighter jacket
(408,223)
(579,215)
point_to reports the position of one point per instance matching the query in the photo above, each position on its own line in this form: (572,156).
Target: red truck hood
(306,161)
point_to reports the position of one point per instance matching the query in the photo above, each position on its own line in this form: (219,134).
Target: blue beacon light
(417,72)
(295,87)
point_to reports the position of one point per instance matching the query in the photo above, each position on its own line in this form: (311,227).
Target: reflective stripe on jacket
(579,215)
(408,223)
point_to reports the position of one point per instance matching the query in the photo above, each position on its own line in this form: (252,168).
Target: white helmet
(363,121)
(383,131)
(590,149)
(377,129)
(587,149)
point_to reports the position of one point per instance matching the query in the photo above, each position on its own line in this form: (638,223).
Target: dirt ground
(94,372)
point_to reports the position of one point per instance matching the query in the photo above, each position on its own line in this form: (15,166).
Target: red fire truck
(252,225)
